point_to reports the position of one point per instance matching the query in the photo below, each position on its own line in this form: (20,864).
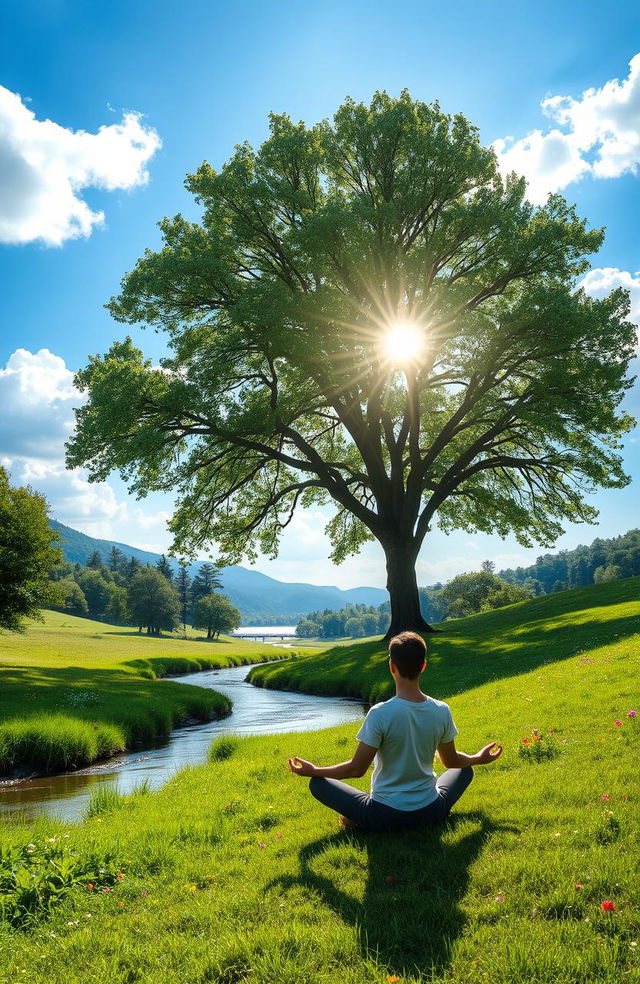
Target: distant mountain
(258,596)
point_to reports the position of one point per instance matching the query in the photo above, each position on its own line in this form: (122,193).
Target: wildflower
(90,886)
(579,886)
(632,714)
(73,923)
(88,915)
(608,906)
(393,979)
(499,898)
(624,796)
(535,731)
(279,837)
(106,890)
(121,905)
(605,797)
(536,737)
(618,724)
(190,887)
(120,876)
(525,741)
(633,943)
(261,845)
(144,893)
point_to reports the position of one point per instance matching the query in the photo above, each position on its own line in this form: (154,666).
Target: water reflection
(255,711)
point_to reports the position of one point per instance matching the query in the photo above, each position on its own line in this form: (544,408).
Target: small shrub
(608,830)
(36,877)
(538,747)
(222,748)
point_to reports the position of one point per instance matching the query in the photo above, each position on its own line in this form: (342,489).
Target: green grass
(233,874)
(467,652)
(73,691)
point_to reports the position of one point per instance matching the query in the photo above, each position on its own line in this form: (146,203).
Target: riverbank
(233,873)
(74,691)
(468,652)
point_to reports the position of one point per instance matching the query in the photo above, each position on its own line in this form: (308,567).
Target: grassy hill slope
(232,873)
(469,651)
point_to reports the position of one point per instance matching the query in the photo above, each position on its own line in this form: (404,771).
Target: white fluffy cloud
(597,134)
(602,280)
(37,397)
(44,167)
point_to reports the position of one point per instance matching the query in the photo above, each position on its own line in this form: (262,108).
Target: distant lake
(251,631)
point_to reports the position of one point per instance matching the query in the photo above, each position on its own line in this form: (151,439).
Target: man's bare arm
(353,769)
(451,758)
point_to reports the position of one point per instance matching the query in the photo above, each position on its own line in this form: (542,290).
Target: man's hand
(489,753)
(301,767)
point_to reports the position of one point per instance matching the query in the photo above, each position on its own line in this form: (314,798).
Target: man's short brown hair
(407,652)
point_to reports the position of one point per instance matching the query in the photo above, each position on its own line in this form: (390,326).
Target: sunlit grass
(233,873)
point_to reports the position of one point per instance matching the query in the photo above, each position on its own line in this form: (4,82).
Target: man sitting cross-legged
(403,734)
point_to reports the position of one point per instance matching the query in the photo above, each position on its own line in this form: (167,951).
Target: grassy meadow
(73,690)
(467,652)
(232,873)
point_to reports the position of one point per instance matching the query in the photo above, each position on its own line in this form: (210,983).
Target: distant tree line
(154,598)
(603,560)
(467,594)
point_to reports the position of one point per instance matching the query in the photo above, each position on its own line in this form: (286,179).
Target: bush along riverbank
(233,873)
(468,652)
(74,691)
(84,717)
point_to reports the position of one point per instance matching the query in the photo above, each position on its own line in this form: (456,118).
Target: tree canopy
(27,551)
(216,614)
(289,382)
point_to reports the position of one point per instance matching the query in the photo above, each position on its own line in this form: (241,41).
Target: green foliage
(279,391)
(37,877)
(480,591)
(152,601)
(73,598)
(356,621)
(27,551)
(215,614)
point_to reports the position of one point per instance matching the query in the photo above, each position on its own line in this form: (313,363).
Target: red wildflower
(525,741)
(618,724)
(579,886)
(608,906)
(605,797)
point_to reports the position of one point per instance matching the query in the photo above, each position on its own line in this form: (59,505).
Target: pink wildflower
(605,797)
(261,845)
(499,898)
(618,724)
(579,886)
(632,714)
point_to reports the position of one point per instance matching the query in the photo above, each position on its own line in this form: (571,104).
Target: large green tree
(27,551)
(367,315)
(152,601)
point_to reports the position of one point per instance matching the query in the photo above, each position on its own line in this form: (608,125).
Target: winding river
(255,712)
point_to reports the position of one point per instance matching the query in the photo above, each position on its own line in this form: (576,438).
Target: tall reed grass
(53,742)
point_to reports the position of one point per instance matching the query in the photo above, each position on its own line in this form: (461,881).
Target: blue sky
(173,86)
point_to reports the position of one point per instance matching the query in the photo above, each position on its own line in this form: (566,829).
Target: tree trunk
(402,586)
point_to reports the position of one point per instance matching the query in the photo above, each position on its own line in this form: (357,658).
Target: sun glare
(403,342)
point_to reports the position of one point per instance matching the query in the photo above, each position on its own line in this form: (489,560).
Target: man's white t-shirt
(406,735)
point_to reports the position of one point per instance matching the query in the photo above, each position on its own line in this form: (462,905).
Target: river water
(255,712)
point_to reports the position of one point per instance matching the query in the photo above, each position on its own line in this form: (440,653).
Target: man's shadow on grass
(411,913)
